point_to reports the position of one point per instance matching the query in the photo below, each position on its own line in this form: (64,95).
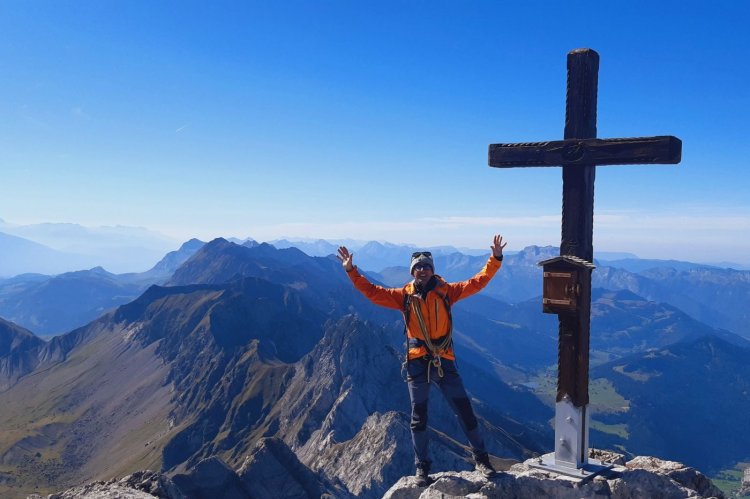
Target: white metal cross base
(571,456)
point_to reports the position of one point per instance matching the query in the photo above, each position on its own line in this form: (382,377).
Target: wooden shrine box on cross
(563,277)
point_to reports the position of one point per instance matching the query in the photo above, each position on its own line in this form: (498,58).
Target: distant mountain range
(710,294)
(222,345)
(51,305)
(53,248)
(715,296)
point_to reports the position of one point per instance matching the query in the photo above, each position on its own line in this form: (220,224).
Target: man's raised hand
(346,258)
(497,246)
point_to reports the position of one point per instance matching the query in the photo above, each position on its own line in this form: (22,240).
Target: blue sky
(370,120)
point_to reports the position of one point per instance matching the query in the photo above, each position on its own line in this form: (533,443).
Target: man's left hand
(497,246)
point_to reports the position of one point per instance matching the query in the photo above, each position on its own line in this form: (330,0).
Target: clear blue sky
(370,120)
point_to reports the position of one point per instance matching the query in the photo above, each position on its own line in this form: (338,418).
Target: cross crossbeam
(600,152)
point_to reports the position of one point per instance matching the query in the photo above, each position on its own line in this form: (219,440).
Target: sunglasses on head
(421,253)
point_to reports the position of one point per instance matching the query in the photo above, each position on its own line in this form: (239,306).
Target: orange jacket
(433,307)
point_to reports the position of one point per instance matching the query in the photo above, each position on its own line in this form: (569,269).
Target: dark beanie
(423,259)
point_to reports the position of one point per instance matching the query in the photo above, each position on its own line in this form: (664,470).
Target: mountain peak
(100,270)
(615,295)
(532,255)
(218,242)
(14,338)
(192,245)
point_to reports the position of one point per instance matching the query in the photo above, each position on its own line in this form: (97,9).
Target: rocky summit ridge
(639,478)
(272,471)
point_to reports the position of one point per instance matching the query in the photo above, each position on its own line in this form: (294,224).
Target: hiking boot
(483,465)
(423,475)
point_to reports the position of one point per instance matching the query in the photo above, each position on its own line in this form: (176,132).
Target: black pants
(453,390)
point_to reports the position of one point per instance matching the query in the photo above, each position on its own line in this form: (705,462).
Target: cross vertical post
(578,154)
(571,403)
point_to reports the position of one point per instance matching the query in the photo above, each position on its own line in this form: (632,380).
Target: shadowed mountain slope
(688,401)
(622,323)
(319,280)
(92,388)
(18,352)
(96,405)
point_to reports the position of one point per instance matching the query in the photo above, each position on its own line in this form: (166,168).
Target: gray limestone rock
(381,452)
(745,489)
(374,458)
(211,479)
(607,456)
(643,477)
(154,483)
(746,477)
(272,470)
(684,475)
(140,485)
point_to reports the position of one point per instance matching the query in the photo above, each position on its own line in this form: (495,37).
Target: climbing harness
(434,349)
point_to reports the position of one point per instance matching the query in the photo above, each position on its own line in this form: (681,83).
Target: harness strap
(406,309)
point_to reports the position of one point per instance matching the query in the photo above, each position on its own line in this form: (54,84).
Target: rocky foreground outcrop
(642,477)
(745,489)
(139,485)
(270,470)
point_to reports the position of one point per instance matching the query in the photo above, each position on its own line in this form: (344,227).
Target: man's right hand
(346,258)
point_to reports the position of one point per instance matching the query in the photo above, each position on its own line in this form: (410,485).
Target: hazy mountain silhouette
(24,256)
(116,248)
(51,305)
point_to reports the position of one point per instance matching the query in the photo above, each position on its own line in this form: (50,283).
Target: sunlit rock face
(639,478)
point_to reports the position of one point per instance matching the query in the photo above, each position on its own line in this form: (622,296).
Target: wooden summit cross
(579,154)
